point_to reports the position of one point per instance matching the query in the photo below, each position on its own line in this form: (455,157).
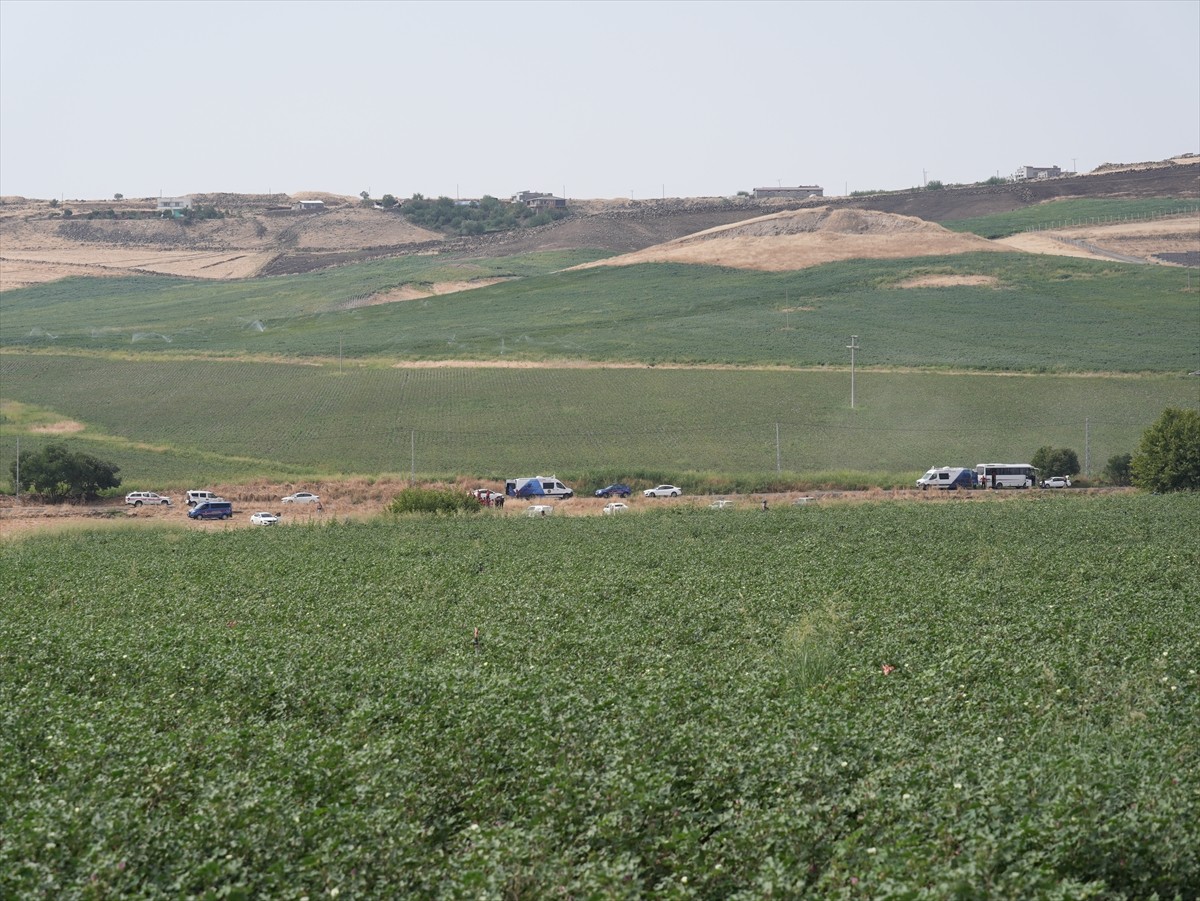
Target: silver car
(137,498)
(302,497)
(662,491)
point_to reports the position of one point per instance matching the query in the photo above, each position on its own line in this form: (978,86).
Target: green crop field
(171,422)
(1070,213)
(1041,313)
(972,699)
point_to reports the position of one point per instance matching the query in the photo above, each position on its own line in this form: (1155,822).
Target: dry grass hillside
(797,239)
(38,244)
(264,235)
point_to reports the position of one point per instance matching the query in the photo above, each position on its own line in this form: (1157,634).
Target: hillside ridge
(264,235)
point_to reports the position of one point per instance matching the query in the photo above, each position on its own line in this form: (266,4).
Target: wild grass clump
(433,500)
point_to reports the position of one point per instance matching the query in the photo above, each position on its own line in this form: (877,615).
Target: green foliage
(56,473)
(652,698)
(53,203)
(657,424)
(200,212)
(486,215)
(1055,461)
(388,201)
(118,197)
(1118,470)
(934,185)
(417,499)
(67,213)
(996,180)
(1056,314)
(1168,457)
(1066,213)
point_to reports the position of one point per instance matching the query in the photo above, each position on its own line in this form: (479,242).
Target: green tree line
(479,217)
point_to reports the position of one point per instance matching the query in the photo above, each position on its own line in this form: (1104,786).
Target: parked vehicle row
(204,504)
(988,475)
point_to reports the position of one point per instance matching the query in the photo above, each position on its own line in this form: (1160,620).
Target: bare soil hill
(797,239)
(38,243)
(263,234)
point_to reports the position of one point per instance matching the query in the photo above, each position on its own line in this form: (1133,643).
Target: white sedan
(662,491)
(615,507)
(264,519)
(1057,482)
(302,497)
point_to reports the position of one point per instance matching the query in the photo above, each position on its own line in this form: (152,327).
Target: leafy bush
(201,211)
(487,215)
(934,185)
(1055,461)
(55,473)
(1168,457)
(433,500)
(1117,470)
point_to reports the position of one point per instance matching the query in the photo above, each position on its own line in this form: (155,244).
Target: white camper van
(537,486)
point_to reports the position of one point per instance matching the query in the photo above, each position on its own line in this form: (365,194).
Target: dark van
(211,510)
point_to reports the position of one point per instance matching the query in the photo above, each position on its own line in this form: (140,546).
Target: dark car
(617,490)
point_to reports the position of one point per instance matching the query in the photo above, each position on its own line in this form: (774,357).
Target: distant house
(174,205)
(799,192)
(537,200)
(313,206)
(1025,173)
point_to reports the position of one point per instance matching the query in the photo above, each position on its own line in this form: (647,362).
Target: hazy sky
(600,99)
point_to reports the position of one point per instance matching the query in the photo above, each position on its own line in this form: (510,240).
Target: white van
(537,486)
(196,497)
(949,478)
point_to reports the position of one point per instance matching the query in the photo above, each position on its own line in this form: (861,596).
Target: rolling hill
(264,235)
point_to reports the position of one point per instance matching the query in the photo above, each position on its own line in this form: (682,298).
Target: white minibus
(1006,475)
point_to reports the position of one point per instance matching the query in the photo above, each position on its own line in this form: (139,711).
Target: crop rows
(1067,213)
(1042,314)
(187,420)
(919,701)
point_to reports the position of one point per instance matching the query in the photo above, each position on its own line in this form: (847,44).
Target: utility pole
(852,347)
(1087,446)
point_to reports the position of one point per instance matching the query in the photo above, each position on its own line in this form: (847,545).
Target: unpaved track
(352,500)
